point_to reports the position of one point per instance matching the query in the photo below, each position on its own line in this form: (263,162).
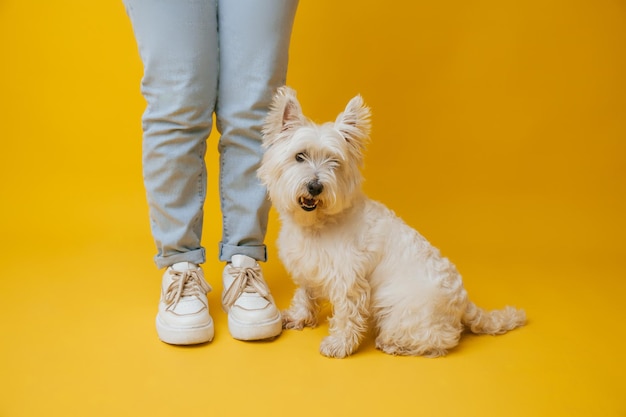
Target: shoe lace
(247,280)
(189,283)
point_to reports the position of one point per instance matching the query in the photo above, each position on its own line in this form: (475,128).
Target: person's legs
(254,41)
(177,41)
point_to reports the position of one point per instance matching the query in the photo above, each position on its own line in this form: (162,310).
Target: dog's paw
(292,323)
(336,347)
(394,348)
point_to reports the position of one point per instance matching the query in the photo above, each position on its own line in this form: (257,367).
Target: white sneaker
(252,314)
(183,317)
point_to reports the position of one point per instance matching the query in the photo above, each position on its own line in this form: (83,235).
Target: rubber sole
(184,336)
(257,331)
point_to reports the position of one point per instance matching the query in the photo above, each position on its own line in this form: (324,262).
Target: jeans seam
(225,232)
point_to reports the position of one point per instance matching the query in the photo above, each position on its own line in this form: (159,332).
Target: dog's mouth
(308,204)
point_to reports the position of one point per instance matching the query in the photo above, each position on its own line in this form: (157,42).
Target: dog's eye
(300,157)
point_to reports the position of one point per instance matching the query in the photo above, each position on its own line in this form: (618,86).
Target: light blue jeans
(202,57)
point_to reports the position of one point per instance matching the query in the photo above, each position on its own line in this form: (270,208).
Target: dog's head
(312,171)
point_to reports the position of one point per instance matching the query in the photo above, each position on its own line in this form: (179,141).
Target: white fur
(343,247)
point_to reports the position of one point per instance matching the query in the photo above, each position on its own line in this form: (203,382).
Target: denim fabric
(203,57)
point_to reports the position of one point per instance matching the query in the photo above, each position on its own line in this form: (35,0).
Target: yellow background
(499,132)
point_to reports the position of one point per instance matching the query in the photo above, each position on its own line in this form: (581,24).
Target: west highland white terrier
(339,245)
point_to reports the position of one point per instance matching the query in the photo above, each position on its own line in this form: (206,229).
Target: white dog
(339,245)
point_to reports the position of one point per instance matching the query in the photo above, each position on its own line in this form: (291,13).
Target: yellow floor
(499,132)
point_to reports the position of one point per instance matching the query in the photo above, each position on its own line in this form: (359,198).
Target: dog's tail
(480,321)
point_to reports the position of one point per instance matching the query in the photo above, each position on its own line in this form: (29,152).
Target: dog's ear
(285,113)
(354,123)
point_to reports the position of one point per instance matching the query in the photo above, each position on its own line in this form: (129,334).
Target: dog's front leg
(349,321)
(302,311)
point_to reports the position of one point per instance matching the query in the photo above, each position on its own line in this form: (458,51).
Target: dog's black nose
(315,187)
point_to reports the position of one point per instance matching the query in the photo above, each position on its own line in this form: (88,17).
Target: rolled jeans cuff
(258,252)
(197,256)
